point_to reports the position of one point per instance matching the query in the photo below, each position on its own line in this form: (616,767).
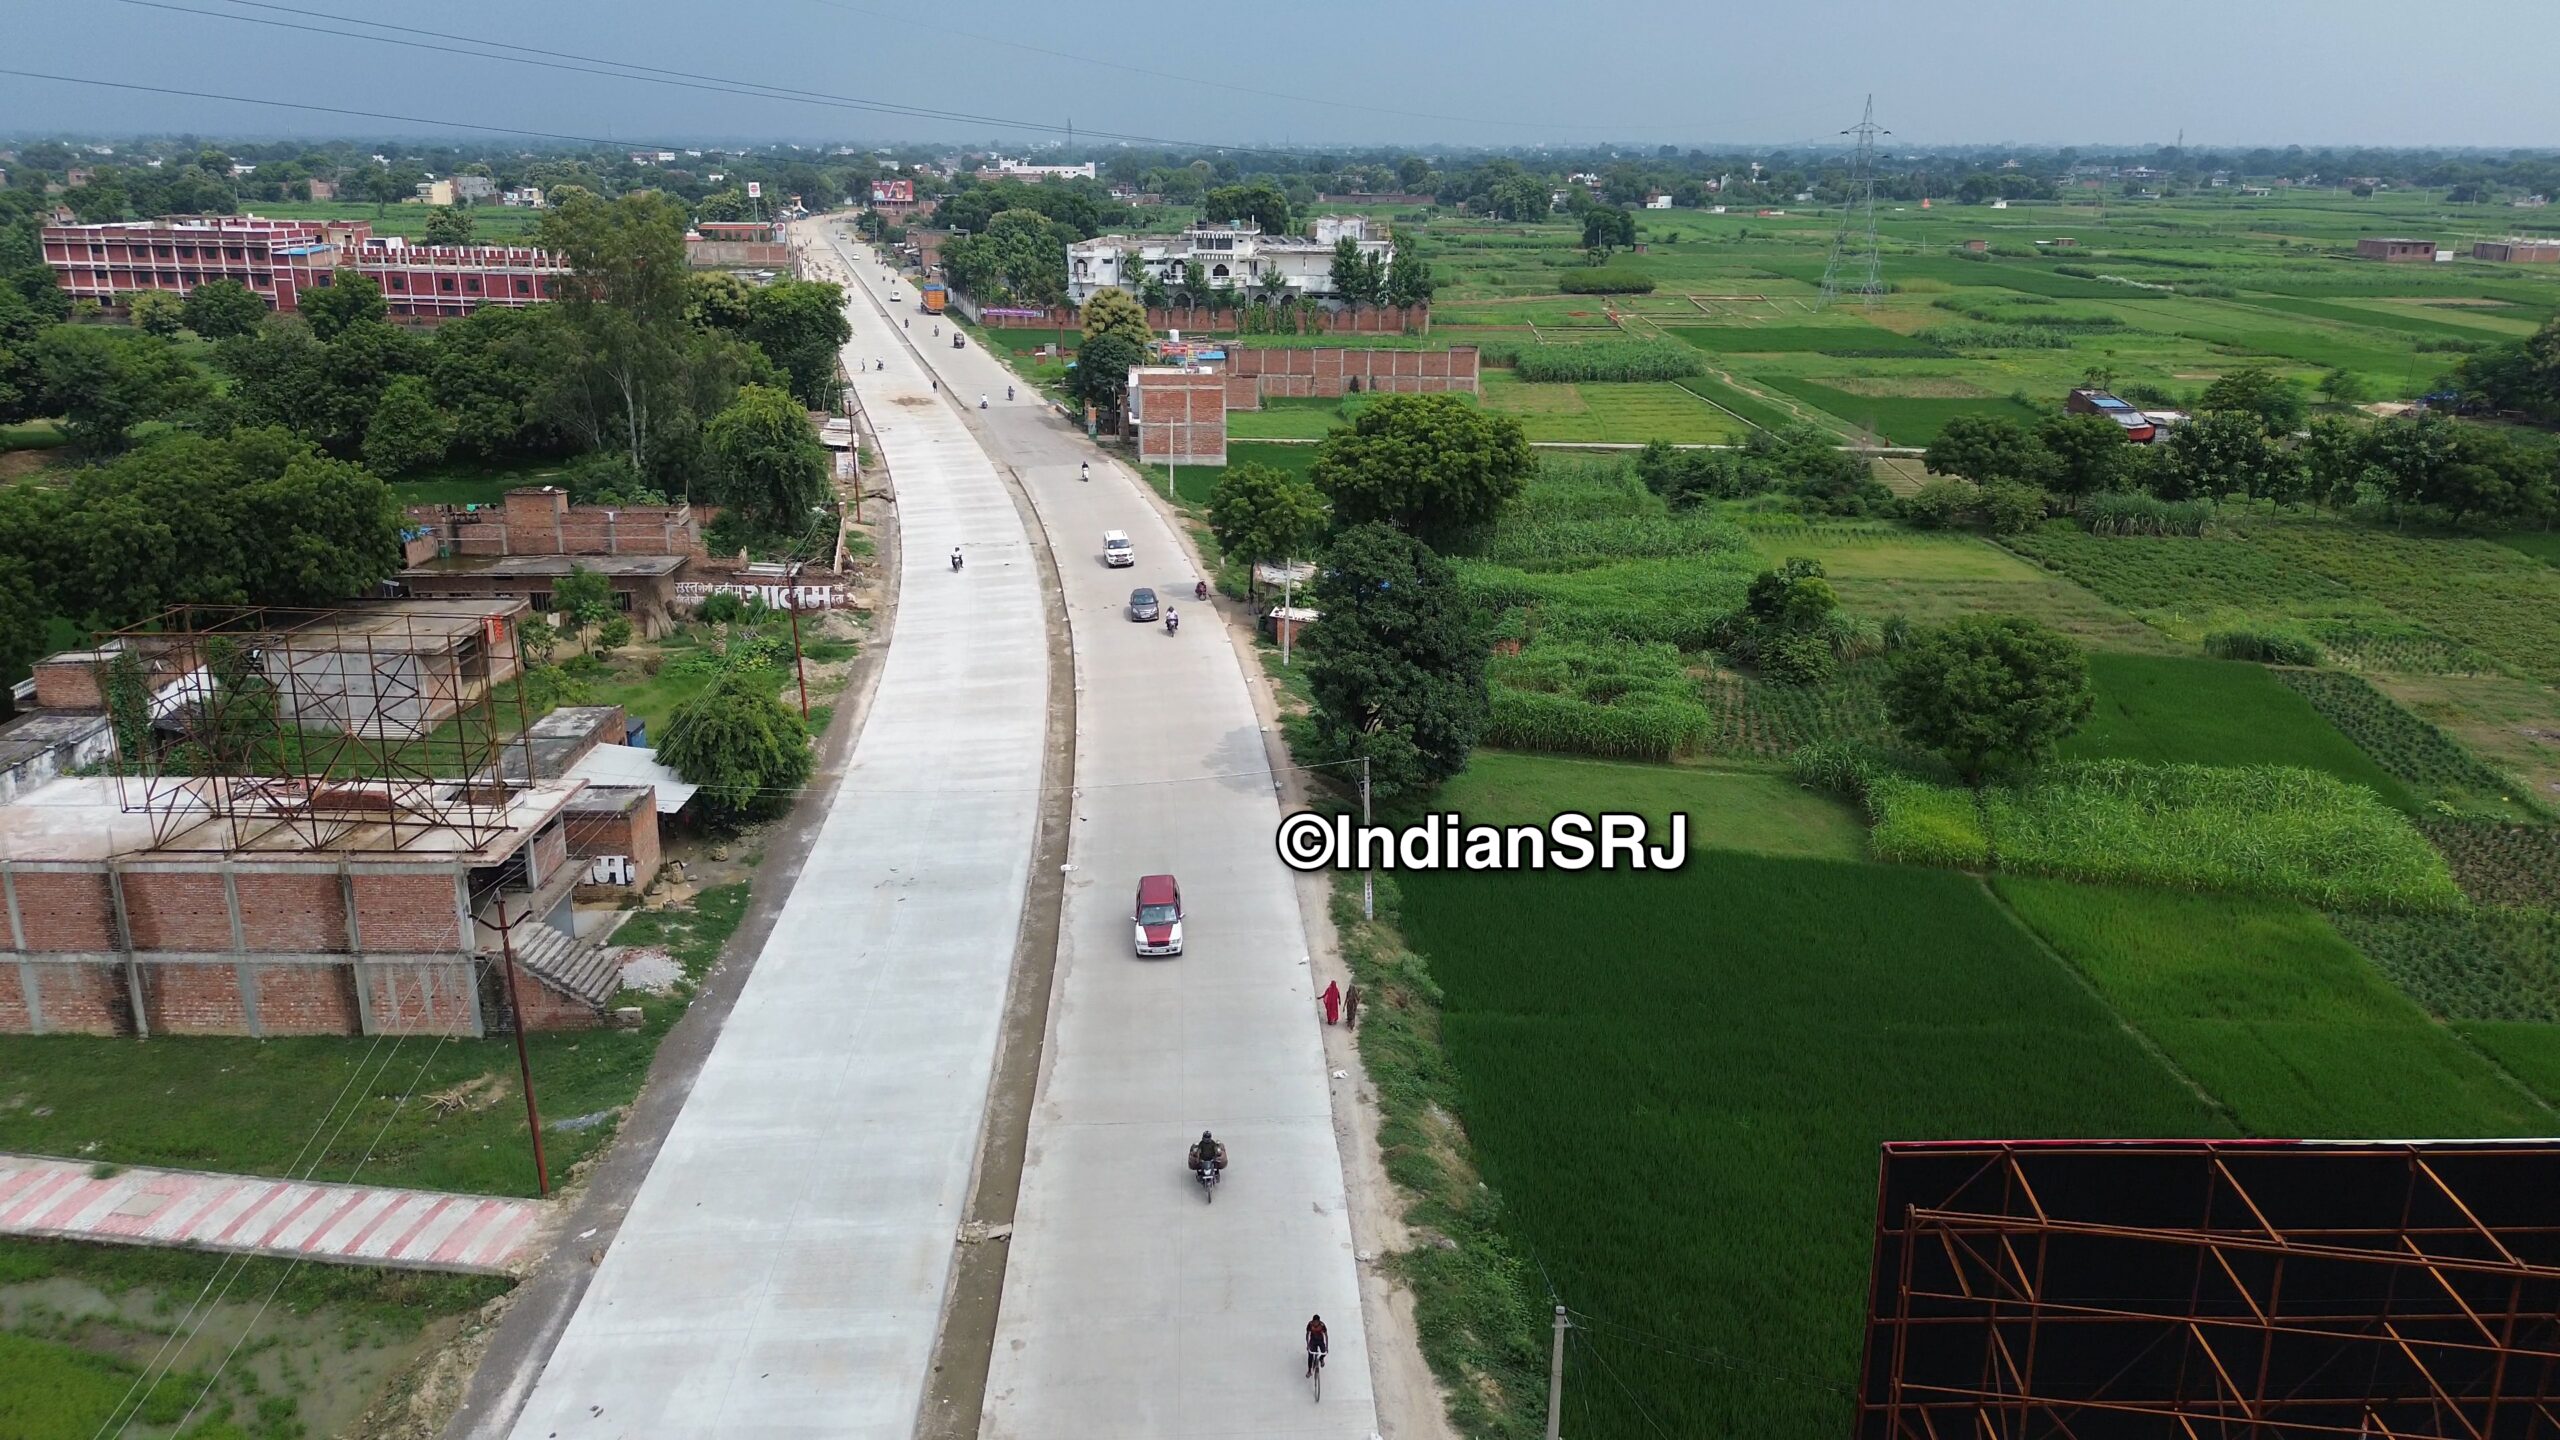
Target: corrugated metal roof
(632,765)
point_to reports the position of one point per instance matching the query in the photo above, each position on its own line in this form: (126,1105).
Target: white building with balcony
(1232,257)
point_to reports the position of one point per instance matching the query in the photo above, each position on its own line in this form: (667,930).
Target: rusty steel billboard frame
(2202,1290)
(401,748)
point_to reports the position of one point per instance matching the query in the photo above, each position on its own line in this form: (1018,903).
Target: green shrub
(1796,657)
(1607,360)
(2267,647)
(1604,280)
(1941,504)
(721,607)
(2008,508)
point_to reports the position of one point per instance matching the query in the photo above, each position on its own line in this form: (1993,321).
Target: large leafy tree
(1432,465)
(220,309)
(2223,451)
(1113,311)
(767,466)
(104,382)
(326,530)
(408,431)
(624,305)
(1396,663)
(448,225)
(1101,376)
(1261,202)
(2088,454)
(488,372)
(2276,401)
(800,326)
(748,752)
(1260,512)
(1989,693)
(1988,448)
(349,299)
(1021,256)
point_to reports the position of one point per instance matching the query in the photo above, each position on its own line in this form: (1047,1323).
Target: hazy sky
(1691,72)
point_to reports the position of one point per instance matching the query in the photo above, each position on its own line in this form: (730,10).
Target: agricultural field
(1677,1084)
(2162,295)
(2317,900)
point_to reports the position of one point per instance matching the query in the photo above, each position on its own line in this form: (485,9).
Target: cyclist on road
(1317,1343)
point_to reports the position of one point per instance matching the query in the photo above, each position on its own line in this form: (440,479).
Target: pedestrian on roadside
(1351,1008)
(1333,1002)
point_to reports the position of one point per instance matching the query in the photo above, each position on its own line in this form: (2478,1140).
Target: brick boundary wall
(1327,372)
(1200,320)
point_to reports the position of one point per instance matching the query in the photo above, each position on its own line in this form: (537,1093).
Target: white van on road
(1116,549)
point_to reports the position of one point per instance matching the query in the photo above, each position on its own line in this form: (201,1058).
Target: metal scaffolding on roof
(260,728)
(2131,1290)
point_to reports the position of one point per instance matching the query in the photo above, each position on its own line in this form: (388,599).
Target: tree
(1986,448)
(104,382)
(1111,311)
(800,326)
(157,312)
(2256,390)
(766,465)
(2224,451)
(1396,666)
(489,371)
(718,301)
(1521,197)
(748,752)
(448,225)
(2088,454)
(1606,228)
(1101,375)
(408,432)
(2344,387)
(220,309)
(1262,513)
(1260,202)
(326,531)
(582,598)
(350,299)
(1409,279)
(624,304)
(1432,465)
(1988,693)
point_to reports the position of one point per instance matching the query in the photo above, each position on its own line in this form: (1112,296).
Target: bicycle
(1315,1372)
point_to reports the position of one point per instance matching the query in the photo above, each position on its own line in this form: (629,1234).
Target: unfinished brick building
(520,549)
(308,827)
(1180,412)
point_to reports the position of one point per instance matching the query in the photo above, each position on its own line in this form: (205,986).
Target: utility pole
(1288,602)
(796,668)
(1368,886)
(1555,1379)
(524,1061)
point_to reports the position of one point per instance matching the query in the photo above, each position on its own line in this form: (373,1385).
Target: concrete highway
(1131,1308)
(782,1269)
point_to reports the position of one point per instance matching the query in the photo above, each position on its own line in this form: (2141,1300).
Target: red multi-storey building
(282,260)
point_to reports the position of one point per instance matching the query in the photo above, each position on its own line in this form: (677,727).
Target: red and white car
(1157,916)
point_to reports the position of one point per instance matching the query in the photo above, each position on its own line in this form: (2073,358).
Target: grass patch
(249,1106)
(2215,712)
(33,435)
(1760,810)
(2275,1015)
(1675,602)
(1705,1087)
(1847,340)
(2529,1050)
(1611,412)
(2499,864)
(2266,830)
(1900,419)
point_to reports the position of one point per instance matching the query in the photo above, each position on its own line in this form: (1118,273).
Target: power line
(944,31)
(650,74)
(317,109)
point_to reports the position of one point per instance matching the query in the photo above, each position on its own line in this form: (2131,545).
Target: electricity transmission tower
(1857,207)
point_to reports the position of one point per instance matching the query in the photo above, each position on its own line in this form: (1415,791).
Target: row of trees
(2245,439)
(2521,376)
(1363,278)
